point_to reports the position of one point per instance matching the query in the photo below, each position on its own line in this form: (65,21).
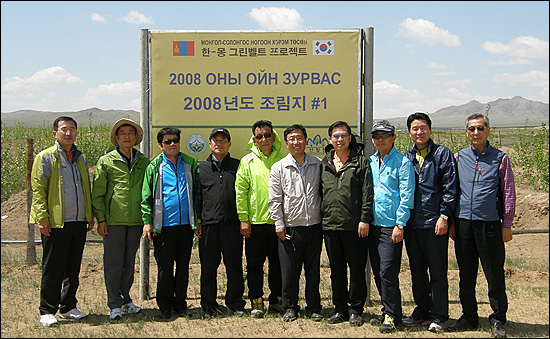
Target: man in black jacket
(426,234)
(220,227)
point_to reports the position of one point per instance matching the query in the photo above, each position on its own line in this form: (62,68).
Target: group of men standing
(285,207)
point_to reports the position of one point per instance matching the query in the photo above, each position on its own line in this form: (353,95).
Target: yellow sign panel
(204,80)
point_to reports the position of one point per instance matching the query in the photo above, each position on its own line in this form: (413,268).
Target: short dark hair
(338,124)
(294,127)
(168,131)
(418,116)
(477,116)
(260,124)
(63,118)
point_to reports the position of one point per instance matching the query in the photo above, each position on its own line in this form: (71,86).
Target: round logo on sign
(196,144)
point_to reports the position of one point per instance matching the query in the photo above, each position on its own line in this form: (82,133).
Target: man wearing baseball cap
(219,232)
(116,199)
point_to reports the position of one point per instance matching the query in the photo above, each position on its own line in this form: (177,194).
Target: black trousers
(262,244)
(61,259)
(428,261)
(481,241)
(218,240)
(346,248)
(385,259)
(173,245)
(303,249)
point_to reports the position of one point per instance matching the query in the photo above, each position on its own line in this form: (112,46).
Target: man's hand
(198,230)
(441,226)
(452,231)
(148,232)
(45,228)
(102,229)
(363,229)
(397,235)
(246,229)
(281,233)
(506,234)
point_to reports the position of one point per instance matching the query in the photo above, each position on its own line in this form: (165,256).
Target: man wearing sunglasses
(257,227)
(170,219)
(484,215)
(393,177)
(347,211)
(426,235)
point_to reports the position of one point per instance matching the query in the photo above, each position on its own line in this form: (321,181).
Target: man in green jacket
(257,227)
(116,198)
(62,209)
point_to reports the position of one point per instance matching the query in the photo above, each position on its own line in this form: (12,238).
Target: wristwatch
(443,216)
(399,226)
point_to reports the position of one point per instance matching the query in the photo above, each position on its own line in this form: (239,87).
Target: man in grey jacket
(295,207)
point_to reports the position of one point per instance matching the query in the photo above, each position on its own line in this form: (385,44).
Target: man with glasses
(484,215)
(220,228)
(393,176)
(347,210)
(251,185)
(170,219)
(295,207)
(426,235)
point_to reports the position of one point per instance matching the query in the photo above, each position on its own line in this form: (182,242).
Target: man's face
(340,138)
(66,134)
(126,137)
(383,141)
(477,132)
(264,139)
(296,143)
(420,133)
(170,145)
(219,145)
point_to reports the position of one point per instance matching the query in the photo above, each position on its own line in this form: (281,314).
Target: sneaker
(317,316)
(290,315)
(239,313)
(411,321)
(437,326)
(377,320)
(498,330)
(462,324)
(48,320)
(73,314)
(388,325)
(131,308)
(258,308)
(116,313)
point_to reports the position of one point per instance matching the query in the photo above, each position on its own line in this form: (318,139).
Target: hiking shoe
(462,324)
(258,308)
(290,315)
(73,314)
(377,320)
(355,320)
(116,313)
(388,325)
(498,330)
(48,320)
(437,326)
(276,307)
(337,318)
(131,308)
(316,316)
(411,321)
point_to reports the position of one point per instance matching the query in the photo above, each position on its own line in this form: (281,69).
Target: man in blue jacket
(393,178)
(426,235)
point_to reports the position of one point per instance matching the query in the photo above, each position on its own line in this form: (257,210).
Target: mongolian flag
(183,48)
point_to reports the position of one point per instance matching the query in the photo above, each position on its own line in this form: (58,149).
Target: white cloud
(97,17)
(536,78)
(432,64)
(277,18)
(46,77)
(445,73)
(136,18)
(427,33)
(513,62)
(118,88)
(522,46)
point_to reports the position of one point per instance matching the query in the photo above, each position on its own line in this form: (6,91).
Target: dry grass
(527,287)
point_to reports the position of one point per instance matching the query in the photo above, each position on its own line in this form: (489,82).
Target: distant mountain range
(515,112)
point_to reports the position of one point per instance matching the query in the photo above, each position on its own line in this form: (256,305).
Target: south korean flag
(323,47)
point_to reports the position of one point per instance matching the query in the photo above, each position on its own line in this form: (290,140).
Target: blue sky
(73,55)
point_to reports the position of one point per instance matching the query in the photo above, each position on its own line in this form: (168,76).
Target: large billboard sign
(200,80)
